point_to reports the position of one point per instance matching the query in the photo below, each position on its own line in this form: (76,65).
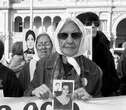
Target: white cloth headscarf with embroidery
(71,60)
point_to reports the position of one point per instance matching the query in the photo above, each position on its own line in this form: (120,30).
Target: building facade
(18,16)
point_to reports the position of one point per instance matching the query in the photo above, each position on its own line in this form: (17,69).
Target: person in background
(91,19)
(9,83)
(121,70)
(101,54)
(43,48)
(4,61)
(67,63)
(30,40)
(17,62)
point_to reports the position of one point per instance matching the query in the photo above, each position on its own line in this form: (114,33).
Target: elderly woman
(67,63)
(43,48)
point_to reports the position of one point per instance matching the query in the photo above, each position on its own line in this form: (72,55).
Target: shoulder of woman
(89,66)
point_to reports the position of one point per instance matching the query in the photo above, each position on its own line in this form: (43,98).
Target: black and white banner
(33,103)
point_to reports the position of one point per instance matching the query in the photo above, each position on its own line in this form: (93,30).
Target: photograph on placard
(88,43)
(62,91)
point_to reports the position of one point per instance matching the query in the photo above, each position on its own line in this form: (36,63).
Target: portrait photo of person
(57,86)
(30,38)
(62,100)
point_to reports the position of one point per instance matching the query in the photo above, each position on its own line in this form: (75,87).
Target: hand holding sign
(81,94)
(42,92)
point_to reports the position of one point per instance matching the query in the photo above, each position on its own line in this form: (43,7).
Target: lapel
(55,67)
(54,70)
(51,69)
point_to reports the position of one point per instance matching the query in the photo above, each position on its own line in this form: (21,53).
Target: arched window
(37,22)
(56,20)
(121,33)
(46,22)
(27,22)
(18,24)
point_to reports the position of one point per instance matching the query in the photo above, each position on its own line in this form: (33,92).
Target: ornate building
(17,16)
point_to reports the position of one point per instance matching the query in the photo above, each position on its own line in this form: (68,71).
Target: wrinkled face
(94,30)
(65,90)
(44,46)
(69,39)
(30,42)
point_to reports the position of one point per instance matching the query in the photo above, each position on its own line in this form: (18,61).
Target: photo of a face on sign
(62,91)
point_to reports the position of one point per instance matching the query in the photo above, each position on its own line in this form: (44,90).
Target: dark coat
(24,76)
(52,68)
(104,59)
(9,83)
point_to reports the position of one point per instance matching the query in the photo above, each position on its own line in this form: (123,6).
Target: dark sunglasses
(74,35)
(89,23)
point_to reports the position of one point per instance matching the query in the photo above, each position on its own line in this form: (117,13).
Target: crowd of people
(31,72)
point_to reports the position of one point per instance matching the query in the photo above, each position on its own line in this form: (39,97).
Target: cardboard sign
(88,42)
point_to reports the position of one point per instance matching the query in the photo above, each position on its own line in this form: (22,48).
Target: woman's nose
(43,47)
(69,39)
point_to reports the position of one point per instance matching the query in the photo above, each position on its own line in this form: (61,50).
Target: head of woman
(30,39)
(69,37)
(90,19)
(17,48)
(66,88)
(43,45)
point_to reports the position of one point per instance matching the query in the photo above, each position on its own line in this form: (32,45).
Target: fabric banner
(33,103)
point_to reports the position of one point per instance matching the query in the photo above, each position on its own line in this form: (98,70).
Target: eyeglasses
(89,23)
(45,44)
(74,35)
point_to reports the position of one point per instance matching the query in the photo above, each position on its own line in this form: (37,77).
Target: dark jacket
(9,83)
(103,39)
(104,59)
(24,76)
(52,68)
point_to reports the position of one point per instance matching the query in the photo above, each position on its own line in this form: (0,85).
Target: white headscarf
(32,64)
(71,60)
